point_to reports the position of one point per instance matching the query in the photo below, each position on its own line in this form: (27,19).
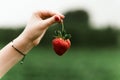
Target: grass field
(76,64)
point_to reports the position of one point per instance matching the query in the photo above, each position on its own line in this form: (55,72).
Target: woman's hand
(39,23)
(31,36)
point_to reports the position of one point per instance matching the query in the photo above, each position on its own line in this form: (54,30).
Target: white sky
(102,12)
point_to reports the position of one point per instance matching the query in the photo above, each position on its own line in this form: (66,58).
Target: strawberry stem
(62,27)
(62,33)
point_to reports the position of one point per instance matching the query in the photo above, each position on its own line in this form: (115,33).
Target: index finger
(44,14)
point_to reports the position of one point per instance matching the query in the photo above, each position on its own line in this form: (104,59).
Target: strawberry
(61,43)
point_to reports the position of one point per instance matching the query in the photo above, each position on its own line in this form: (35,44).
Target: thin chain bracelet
(22,61)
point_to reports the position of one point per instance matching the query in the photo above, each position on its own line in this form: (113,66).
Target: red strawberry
(61,43)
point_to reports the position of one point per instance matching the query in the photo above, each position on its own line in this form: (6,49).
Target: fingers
(52,20)
(47,18)
(44,14)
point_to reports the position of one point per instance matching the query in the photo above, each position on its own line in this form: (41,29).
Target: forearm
(31,36)
(9,56)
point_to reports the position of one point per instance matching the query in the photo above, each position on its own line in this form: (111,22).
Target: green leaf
(68,36)
(63,33)
(55,33)
(58,33)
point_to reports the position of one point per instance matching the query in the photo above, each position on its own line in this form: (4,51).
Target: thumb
(52,20)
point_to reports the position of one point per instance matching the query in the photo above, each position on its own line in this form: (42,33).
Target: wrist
(23,43)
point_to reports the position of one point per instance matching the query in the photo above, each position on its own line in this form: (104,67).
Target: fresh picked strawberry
(61,43)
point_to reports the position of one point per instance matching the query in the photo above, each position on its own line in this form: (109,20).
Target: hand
(39,23)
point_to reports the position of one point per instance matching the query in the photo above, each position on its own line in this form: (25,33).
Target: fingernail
(57,18)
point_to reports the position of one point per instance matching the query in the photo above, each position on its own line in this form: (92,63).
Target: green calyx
(62,33)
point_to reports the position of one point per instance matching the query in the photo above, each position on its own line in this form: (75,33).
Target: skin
(30,37)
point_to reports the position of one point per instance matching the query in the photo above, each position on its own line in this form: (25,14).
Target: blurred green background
(94,54)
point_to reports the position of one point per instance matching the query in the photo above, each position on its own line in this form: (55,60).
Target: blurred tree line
(78,25)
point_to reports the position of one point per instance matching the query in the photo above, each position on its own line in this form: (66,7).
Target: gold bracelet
(19,52)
